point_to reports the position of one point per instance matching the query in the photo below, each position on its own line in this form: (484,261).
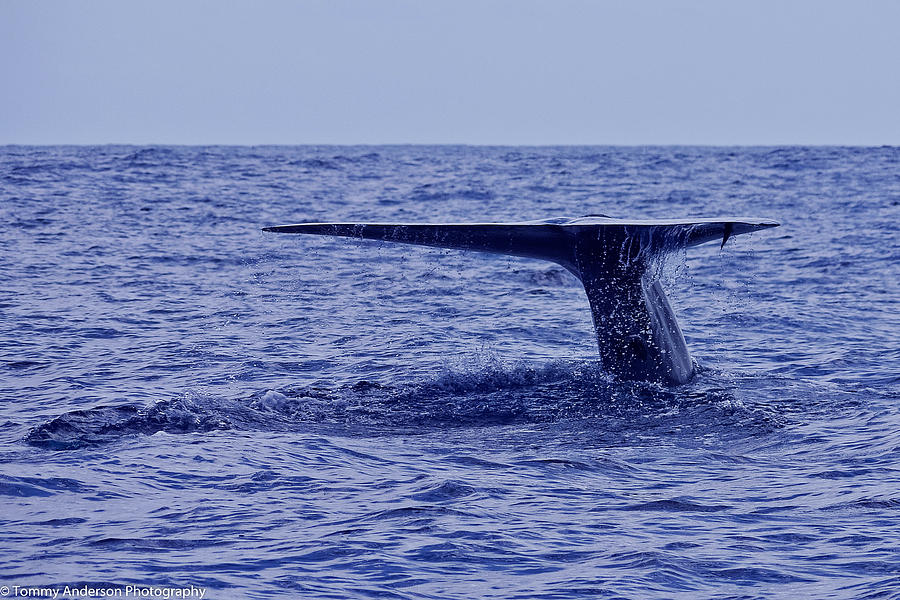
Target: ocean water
(187,400)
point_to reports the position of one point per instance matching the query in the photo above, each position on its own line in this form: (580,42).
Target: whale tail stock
(637,333)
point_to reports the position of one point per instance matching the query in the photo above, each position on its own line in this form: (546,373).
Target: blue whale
(637,333)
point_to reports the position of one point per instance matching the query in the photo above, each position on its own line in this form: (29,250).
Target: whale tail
(637,333)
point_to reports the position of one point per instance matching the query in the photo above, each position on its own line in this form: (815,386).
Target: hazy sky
(430,71)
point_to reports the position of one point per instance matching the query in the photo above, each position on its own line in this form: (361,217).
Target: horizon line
(457,144)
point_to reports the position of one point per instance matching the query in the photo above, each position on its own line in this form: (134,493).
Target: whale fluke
(637,334)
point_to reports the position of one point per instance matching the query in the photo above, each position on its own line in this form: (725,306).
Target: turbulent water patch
(491,396)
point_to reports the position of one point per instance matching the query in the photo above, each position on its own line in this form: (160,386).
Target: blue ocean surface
(187,400)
